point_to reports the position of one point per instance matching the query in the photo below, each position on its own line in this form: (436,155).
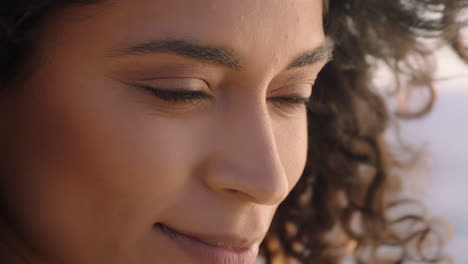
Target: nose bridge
(248,164)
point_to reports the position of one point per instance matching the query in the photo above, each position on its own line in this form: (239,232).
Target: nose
(245,162)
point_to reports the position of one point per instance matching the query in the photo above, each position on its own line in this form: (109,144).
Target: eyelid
(176,84)
(303,90)
(287,106)
(185,96)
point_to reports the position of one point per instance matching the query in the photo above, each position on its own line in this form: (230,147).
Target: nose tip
(247,164)
(263,184)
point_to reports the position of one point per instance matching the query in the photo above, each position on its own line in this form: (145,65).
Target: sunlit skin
(92,158)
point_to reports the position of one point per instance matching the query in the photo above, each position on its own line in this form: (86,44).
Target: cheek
(291,139)
(87,162)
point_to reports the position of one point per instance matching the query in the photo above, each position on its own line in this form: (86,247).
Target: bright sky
(444,132)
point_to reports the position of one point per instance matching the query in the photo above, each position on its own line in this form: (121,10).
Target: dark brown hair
(350,184)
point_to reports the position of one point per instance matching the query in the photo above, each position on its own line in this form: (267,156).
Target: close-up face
(154,131)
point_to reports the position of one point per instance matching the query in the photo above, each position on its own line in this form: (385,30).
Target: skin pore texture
(99,152)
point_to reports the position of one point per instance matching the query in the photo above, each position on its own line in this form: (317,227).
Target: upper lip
(226,241)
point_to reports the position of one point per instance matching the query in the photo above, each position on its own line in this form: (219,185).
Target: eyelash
(182,96)
(293,101)
(188,97)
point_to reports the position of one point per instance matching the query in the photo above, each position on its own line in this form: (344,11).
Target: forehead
(215,14)
(266,28)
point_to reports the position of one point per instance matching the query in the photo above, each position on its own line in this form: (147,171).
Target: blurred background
(440,178)
(443,136)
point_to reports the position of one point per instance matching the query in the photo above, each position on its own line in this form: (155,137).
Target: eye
(181,96)
(292,100)
(290,103)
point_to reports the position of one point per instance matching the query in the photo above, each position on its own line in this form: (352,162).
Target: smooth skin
(92,158)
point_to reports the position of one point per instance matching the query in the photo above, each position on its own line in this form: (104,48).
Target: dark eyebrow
(323,53)
(221,56)
(207,54)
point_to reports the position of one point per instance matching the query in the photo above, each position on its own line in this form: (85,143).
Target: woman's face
(159,131)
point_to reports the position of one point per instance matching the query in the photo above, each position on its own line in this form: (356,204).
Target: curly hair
(343,200)
(352,192)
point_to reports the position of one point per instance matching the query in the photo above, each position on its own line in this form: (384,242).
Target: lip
(212,249)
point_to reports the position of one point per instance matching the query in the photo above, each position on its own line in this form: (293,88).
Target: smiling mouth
(233,244)
(213,249)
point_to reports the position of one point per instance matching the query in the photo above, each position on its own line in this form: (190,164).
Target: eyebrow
(221,56)
(206,54)
(322,53)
